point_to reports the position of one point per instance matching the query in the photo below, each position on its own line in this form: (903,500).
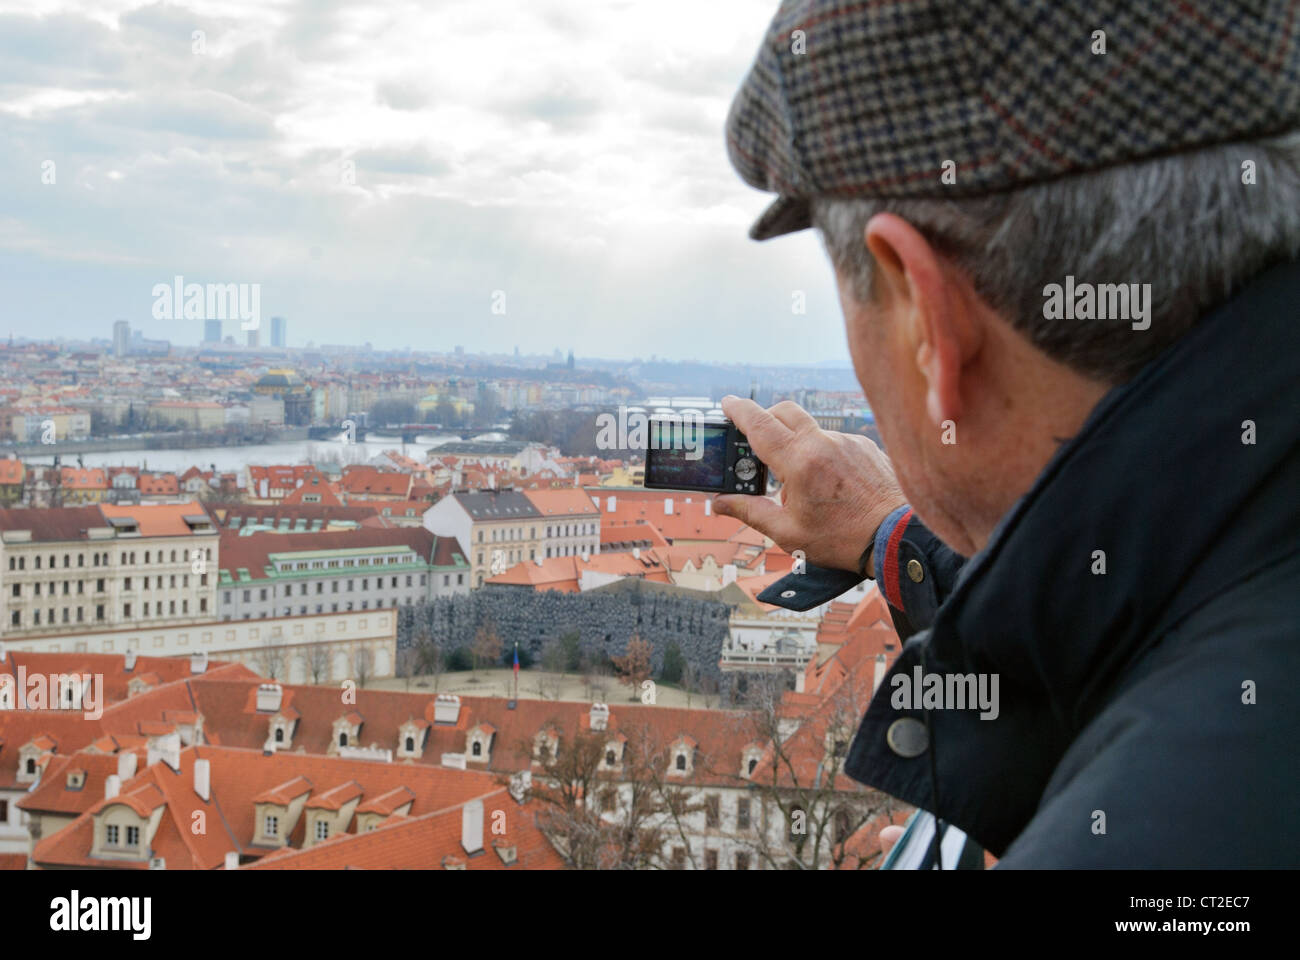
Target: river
(234,459)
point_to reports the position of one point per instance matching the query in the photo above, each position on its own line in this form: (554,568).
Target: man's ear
(914,278)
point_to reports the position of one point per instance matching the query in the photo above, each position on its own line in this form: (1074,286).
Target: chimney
(708,507)
(611,503)
(199,662)
(446,708)
(112,786)
(203,779)
(599,716)
(879,676)
(126,763)
(668,506)
(471,826)
(269,697)
(128,661)
(232,860)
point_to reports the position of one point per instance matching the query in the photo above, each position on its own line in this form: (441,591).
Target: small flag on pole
(516,658)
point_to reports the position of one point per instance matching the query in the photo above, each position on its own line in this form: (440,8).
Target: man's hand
(836,488)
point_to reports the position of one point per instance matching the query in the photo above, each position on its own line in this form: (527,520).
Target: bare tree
(810,811)
(550,683)
(270,659)
(634,666)
(363,665)
(486,647)
(407,658)
(316,659)
(428,656)
(606,802)
(690,681)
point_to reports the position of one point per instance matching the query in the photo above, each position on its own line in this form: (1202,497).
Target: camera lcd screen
(687,455)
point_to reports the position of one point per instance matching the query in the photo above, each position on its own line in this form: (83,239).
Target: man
(1120,464)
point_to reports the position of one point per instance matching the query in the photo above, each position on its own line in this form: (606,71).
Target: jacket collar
(1158,479)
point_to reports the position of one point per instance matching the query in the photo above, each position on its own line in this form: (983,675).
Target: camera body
(708,455)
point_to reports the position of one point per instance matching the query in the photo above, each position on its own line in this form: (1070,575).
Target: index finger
(765,433)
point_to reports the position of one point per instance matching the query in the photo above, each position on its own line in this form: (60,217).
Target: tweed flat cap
(878,98)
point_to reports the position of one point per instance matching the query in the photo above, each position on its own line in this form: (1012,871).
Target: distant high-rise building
(252,338)
(121,338)
(211,331)
(570,359)
(277,331)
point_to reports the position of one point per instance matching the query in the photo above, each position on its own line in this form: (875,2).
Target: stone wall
(605,620)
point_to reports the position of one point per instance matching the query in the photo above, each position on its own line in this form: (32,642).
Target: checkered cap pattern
(869,98)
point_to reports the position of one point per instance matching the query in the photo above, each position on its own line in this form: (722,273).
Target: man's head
(973,380)
(972,166)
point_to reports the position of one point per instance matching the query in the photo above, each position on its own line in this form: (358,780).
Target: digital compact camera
(700,454)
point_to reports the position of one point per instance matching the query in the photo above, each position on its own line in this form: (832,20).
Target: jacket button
(907,737)
(915,571)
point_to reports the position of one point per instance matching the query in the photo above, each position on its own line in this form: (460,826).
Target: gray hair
(1186,223)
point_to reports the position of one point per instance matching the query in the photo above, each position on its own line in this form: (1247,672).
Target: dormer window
(610,759)
(133,836)
(271,825)
(681,761)
(477,749)
(279,734)
(343,739)
(322,829)
(410,744)
(31,766)
(753,762)
(111,835)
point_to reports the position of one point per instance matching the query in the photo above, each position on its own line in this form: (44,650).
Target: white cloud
(571,148)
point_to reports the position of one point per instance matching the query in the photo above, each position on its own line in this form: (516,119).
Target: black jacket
(1149,715)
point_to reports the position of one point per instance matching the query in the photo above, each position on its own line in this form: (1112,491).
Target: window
(742,813)
(133,836)
(279,734)
(711,818)
(111,835)
(343,739)
(742,861)
(681,761)
(322,829)
(4,811)
(476,749)
(271,826)
(753,762)
(31,765)
(608,800)
(410,745)
(610,758)
(710,859)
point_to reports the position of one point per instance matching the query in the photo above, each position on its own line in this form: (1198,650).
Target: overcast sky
(567,152)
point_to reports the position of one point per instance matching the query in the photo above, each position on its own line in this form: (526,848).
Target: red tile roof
(565,502)
(157,519)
